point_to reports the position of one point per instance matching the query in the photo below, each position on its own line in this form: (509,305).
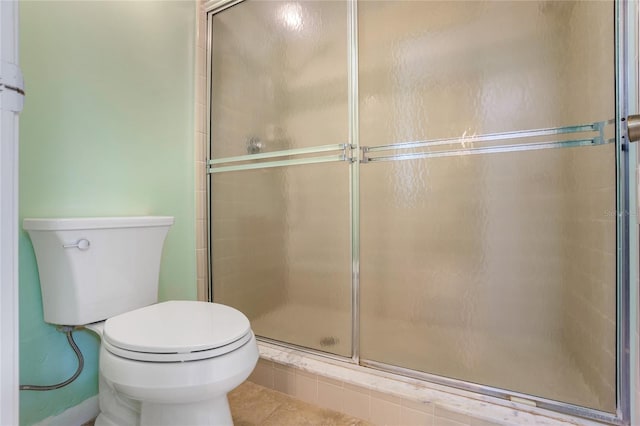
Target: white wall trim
(75,416)
(10,106)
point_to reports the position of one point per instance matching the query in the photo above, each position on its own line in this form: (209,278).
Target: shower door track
(624,12)
(538,402)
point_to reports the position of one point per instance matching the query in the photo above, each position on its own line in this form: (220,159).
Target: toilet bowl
(169,363)
(173,363)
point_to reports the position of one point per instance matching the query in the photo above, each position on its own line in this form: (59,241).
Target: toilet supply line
(68,330)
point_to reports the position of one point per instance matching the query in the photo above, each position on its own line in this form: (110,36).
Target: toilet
(169,363)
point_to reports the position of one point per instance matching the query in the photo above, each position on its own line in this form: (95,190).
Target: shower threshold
(477,406)
(325,332)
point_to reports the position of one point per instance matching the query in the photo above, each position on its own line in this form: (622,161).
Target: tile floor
(255,405)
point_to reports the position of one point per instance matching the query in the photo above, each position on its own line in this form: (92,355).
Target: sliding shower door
(280,170)
(488,195)
(435,178)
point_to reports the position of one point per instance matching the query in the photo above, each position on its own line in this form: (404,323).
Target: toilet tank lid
(64,224)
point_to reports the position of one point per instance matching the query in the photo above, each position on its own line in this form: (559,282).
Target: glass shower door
(488,195)
(280,170)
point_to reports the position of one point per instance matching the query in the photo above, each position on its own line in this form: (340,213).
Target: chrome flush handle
(82,244)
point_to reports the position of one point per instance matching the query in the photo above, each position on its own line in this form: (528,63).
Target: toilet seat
(176,331)
(179,356)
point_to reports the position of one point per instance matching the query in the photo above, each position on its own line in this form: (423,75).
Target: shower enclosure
(428,188)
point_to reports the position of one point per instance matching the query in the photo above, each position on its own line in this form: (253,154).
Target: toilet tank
(94,268)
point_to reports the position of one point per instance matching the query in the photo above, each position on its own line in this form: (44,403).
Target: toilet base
(203,413)
(118,410)
(210,412)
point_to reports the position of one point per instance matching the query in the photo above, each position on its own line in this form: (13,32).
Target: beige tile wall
(516,245)
(287,229)
(201,154)
(589,314)
(497,194)
(249,207)
(248,221)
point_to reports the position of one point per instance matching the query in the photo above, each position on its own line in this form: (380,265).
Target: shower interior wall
(588,300)
(234,216)
(539,262)
(281,210)
(534,281)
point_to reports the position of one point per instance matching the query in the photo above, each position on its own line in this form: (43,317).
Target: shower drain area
(323,329)
(329,341)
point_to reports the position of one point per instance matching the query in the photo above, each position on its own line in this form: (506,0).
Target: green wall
(107,130)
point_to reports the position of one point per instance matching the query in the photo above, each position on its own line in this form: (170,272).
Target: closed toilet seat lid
(176,331)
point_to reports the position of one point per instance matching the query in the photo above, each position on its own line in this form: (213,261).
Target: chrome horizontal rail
(491,149)
(490,137)
(276,154)
(280,163)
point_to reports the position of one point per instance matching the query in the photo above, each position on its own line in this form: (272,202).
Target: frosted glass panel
(431,69)
(281,252)
(496,269)
(279,76)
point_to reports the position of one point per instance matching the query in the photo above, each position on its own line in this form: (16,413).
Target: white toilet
(169,363)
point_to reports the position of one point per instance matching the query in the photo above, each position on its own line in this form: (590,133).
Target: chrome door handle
(633,128)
